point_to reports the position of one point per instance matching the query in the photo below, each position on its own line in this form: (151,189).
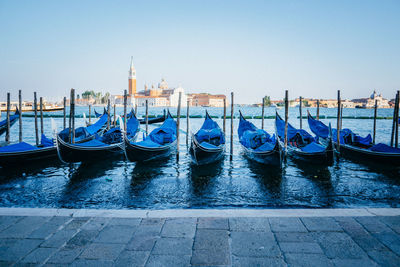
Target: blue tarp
(112,136)
(313,147)
(208,145)
(292,132)
(210,132)
(92,143)
(163,135)
(346,135)
(46,142)
(132,126)
(384,148)
(252,137)
(80,133)
(19,147)
(98,125)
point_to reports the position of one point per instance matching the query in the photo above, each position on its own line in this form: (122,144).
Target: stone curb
(174,213)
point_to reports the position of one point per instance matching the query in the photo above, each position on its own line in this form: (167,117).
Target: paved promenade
(321,237)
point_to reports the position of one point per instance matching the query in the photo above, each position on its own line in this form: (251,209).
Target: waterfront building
(370,101)
(206,100)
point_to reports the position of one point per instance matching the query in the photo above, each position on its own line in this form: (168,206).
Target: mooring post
(108,114)
(375,114)
(136,111)
(65,115)
(397,121)
(262,113)
(394,121)
(90,114)
(36,123)
(73,115)
(338,121)
(178,124)
(147,116)
(70,119)
(187,124)
(231,154)
(20,114)
(115,116)
(165,114)
(286,119)
(125,102)
(41,115)
(341,116)
(317,109)
(301,112)
(224,121)
(8,119)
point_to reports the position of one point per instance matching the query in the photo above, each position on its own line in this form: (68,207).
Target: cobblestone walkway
(234,241)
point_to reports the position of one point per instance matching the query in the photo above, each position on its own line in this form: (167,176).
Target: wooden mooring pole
(90,114)
(231,154)
(341,116)
(8,119)
(72,106)
(65,115)
(178,125)
(301,112)
(125,103)
(394,120)
(41,115)
(136,111)
(375,114)
(115,116)
(36,123)
(20,114)
(262,113)
(108,114)
(397,121)
(224,121)
(147,117)
(317,109)
(338,121)
(187,124)
(286,119)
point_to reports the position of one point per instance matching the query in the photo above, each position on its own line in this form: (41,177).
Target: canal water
(117,183)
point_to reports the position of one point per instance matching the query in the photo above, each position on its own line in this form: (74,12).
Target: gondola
(102,146)
(153,120)
(160,143)
(13,119)
(98,115)
(24,153)
(303,146)
(84,134)
(356,147)
(258,145)
(208,144)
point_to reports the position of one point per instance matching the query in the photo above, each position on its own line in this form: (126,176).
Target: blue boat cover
(384,148)
(292,132)
(80,133)
(46,142)
(92,143)
(19,147)
(98,125)
(210,132)
(208,145)
(132,126)
(112,136)
(313,147)
(252,137)
(346,135)
(97,114)
(148,143)
(163,135)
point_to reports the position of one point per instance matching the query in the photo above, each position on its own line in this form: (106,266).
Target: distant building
(206,100)
(370,101)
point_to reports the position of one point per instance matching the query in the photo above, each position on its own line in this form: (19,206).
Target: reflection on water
(172,183)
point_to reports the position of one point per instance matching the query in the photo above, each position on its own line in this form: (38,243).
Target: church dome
(163,84)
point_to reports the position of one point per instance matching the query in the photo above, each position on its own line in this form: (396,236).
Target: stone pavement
(105,240)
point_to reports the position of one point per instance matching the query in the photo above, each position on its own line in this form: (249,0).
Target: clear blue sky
(254,48)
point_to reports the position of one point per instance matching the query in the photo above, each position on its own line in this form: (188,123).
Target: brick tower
(132,79)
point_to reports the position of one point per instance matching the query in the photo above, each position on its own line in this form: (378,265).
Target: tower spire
(132,78)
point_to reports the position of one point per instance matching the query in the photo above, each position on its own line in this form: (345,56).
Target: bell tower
(132,79)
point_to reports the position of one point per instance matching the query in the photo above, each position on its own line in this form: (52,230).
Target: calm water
(116,183)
